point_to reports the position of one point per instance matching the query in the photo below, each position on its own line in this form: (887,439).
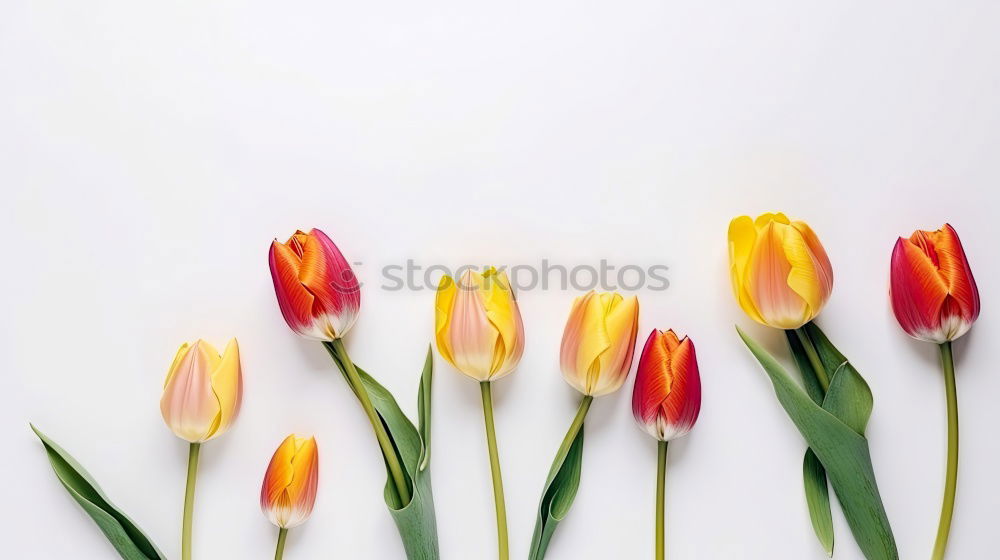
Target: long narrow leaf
(416,520)
(130,542)
(817,489)
(843,452)
(557,496)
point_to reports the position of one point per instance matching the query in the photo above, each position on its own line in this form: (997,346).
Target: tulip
(288,493)
(598,342)
(935,299)
(595,357)
(479,331)
(203,391)
(317,291)
(780,272)
(201,400)
(320,298)
(665,402)
(934,295)
(478,324)
(667,395)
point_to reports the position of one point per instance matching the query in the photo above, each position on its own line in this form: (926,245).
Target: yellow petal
(178,358)
(443,304)
(503,313)
(804,278)
(767,280)
(742,238)
(227,383)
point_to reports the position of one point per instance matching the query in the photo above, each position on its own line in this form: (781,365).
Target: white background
(150,151)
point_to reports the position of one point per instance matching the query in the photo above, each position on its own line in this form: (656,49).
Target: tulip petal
(954,268)
(806,277)
(472,337)
(444,301)
(294,300)
(767,281)
(621,326)
(917,290)
(227,383)
(742,238)
(189,405)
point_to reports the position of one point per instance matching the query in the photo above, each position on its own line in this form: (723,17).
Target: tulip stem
(951,476)
(388,451)
(491,440)
(661,476)
(817,364)
(279,550)
(192,477)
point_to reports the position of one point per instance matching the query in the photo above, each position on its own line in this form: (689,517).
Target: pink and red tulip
(317,291)
(667,395)
(934,295)
(288,493)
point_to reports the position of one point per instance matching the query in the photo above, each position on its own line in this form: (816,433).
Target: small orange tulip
(289,490)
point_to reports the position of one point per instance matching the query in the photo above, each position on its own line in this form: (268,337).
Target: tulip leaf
(127,538)
(415,521)
(818,500)
(558,495)
(841,449)
(817,489)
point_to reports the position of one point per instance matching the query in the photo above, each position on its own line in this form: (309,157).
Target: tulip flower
(288,493)
(933,293)
(479,331)
(319,297)
(201,399)
(665,402)
(935,299)
(317,291)
(780,272)
(598,342)
(595,356)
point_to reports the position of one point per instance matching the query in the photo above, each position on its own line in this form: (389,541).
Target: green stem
(661,476)
(574,429)
(388,451)
(491,440)
(279,551)
(817,364)
(951,476)
(192,477)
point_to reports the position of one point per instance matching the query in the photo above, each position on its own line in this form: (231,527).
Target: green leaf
(840,448)
(130,542)
(415,521)
(818,500)
(557,496)
(817,490)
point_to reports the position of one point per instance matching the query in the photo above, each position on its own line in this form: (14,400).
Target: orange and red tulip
(599,341)
(667,394)
(203,391)
(317,291)
(288,493)
(780,272)
(934,295)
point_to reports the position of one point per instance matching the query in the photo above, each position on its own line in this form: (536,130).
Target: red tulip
(317,291)
(667,394)
(934,295)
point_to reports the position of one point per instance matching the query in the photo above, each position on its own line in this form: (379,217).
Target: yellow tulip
(781,274)
(598,342)
(203,391)
(478,324)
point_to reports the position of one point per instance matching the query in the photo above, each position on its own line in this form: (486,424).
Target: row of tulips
(781,277)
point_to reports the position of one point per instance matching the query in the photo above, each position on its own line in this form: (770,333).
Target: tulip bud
(667,394)
(781,274)
(478,324)
(317,291)
(289,490)
(598,342)
(203,391)
(933,293)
